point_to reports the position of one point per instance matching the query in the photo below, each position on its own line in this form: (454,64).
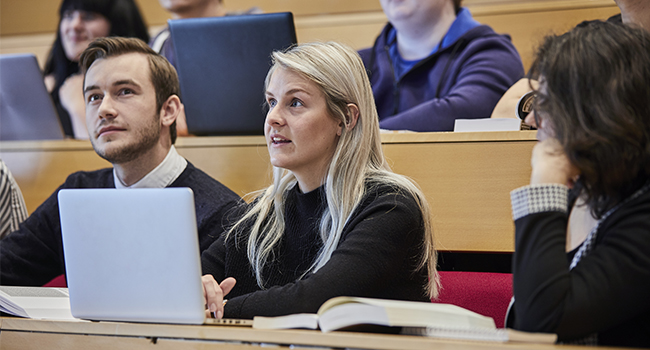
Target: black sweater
(607,292)
(377,256)
(33,255)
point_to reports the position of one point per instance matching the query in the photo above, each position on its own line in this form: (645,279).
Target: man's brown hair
(457,5)
(162,74)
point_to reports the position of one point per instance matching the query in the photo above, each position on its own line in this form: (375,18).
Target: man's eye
(126,92)
(94,97)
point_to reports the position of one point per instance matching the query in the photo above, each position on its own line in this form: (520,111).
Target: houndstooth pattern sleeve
(533,199)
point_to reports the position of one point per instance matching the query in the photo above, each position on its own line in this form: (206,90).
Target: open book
(36,302)
(414,318)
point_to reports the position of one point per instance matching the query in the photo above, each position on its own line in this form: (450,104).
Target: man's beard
(146,139)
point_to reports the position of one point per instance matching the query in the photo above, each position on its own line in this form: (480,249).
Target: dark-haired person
(80,22)
(132,102)
(582,227)
(433,63)
(633,12)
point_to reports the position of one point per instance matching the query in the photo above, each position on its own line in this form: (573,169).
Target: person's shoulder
(379,42)
(384,190)
(101,178)
(203,184)
(485,33)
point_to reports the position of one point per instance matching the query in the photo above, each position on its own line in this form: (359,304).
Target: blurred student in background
(582,227)
(433,63)
(336,220)
(80,22)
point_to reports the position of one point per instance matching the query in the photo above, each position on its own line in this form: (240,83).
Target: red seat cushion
(58,282)
(482,292)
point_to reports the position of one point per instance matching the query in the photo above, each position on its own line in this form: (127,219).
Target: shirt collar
(162,176)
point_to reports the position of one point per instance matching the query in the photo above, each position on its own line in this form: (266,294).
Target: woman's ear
(170,110)
(352,116)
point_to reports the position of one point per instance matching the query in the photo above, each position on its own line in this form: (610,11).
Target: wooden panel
(52,335)
(528,29)
(466,177)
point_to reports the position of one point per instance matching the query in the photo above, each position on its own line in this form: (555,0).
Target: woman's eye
(271,102)
(296,103)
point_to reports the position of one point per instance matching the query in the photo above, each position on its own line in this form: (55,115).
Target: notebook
(132,255)
(26,109)
(222,63)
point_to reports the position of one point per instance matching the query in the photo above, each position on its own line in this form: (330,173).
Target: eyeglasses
(525,105)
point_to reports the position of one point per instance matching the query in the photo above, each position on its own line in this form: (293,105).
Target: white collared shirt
(162,176)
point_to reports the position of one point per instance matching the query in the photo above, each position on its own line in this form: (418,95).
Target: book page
(307,321)
(36,302)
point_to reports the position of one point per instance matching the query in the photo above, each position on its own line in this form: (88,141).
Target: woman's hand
(551,165)
(214,292)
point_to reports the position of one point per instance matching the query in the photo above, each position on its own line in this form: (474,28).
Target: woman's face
(78,28)
(301,134)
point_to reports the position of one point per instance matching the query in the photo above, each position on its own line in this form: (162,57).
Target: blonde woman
(336,220)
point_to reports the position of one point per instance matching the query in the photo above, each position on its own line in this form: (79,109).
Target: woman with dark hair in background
(80,22)
(582,227)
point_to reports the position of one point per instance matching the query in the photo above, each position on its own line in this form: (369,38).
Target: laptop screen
(26,109)
(222,63)
(132,255)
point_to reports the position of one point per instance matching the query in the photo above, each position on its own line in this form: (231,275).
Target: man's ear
(170,110)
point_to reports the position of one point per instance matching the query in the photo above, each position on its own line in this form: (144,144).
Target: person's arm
(374,255)
(72,99)
(484,76)
(507,105)
(607,287)
(33,254)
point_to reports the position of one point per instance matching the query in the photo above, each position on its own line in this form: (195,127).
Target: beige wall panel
(528,29)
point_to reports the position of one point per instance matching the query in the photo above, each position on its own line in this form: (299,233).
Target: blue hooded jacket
(464,77)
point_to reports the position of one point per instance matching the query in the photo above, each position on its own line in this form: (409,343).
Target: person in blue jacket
(433,64)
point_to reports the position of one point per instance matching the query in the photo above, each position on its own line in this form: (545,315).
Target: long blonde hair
(358,159)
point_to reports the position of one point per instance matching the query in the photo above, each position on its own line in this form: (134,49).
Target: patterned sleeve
(533,199)
(12,205)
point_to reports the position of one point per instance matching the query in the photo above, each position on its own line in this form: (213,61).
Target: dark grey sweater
(33,255)
(377,257)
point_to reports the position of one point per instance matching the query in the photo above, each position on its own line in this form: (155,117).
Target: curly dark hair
(594,93)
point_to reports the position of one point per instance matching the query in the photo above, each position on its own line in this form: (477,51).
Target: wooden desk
(17,333)
(466,177)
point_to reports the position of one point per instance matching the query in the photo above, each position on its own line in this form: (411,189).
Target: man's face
(121,114)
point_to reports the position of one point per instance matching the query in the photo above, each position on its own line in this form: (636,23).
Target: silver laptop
(132,255)
(26,109)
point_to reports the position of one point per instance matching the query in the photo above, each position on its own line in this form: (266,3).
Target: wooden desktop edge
(248,335)
(191,142)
